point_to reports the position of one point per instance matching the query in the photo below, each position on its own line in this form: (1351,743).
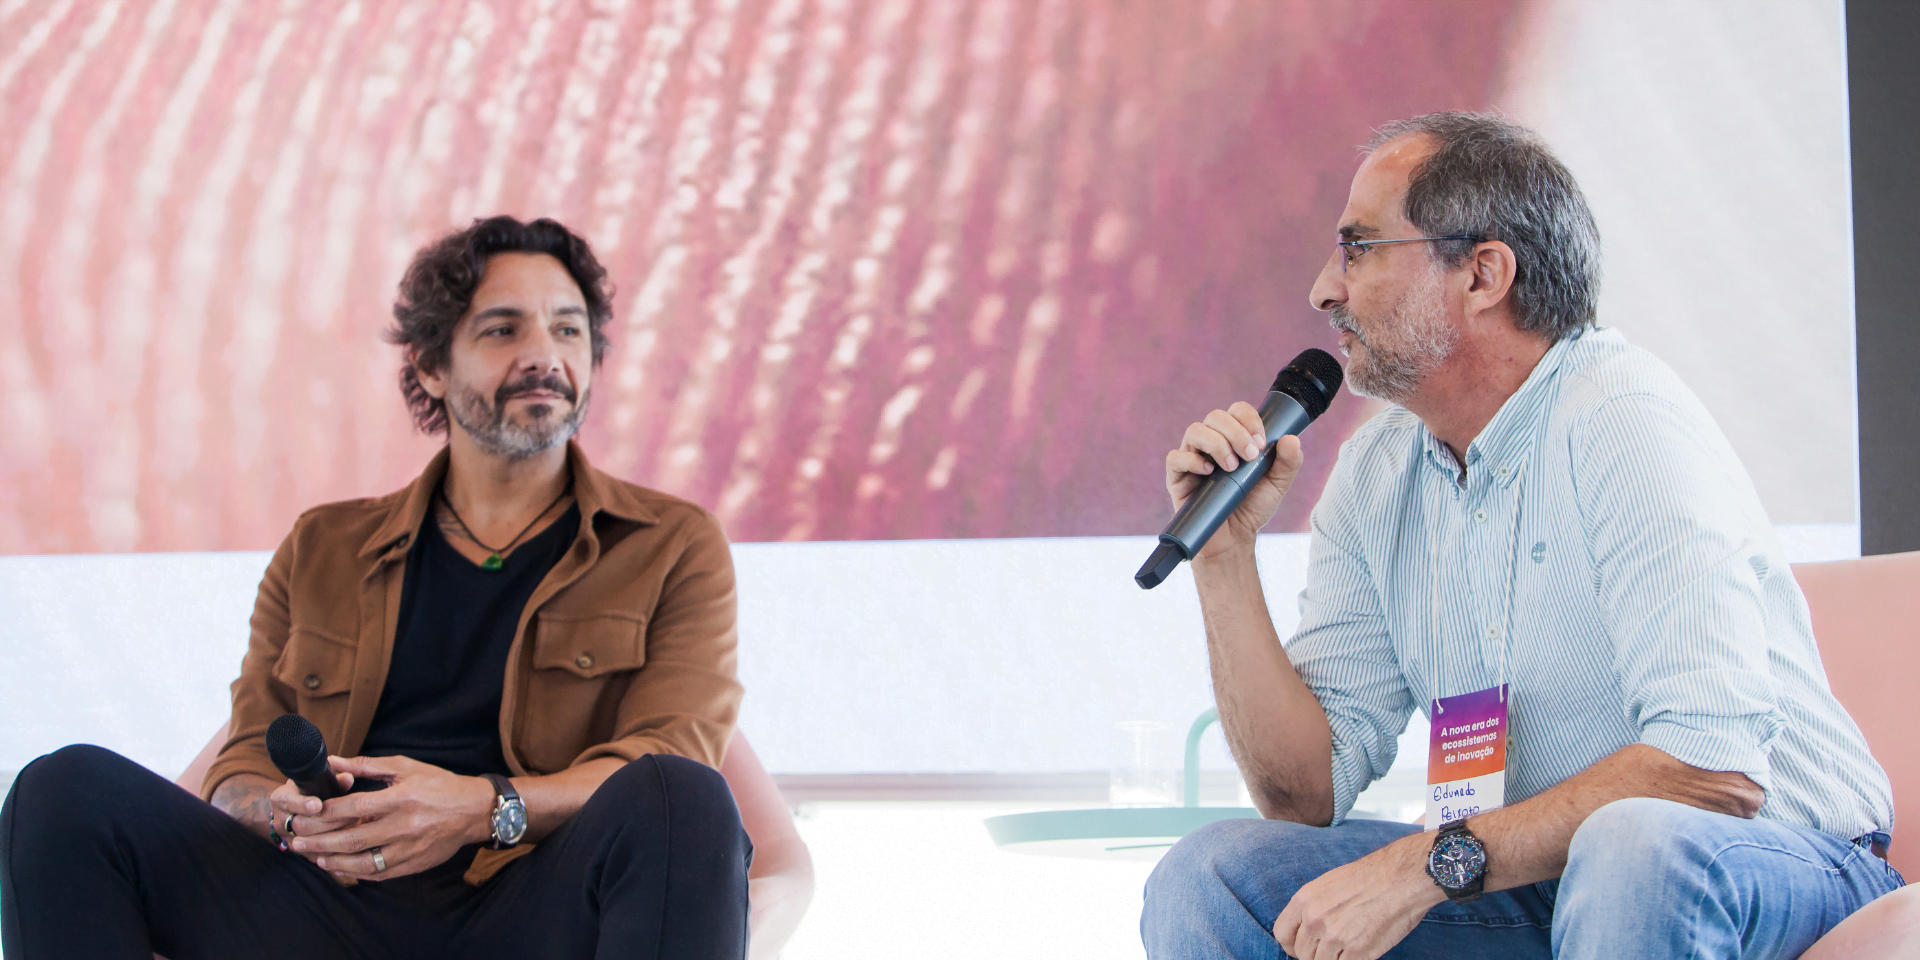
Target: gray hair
(1490,177)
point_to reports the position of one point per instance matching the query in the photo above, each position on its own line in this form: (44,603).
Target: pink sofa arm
(780,884)
(1886,929)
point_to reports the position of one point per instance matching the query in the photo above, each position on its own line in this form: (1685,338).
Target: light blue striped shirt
(1607,529)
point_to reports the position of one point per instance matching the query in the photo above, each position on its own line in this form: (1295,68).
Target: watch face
(510,822)
(1457,861)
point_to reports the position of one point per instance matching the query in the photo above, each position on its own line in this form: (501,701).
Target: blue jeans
(1644,878)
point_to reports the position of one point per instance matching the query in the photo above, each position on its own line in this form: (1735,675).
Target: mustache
(1340,318)
(550,382)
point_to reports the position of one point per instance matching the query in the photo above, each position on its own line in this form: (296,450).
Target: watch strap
(504,795)
(502,786)
(1474,889)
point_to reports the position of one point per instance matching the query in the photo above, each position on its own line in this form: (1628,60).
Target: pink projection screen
(886,269)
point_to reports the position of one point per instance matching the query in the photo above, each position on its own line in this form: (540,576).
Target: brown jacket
(626,648)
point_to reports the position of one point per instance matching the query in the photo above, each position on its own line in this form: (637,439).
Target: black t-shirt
(441,704)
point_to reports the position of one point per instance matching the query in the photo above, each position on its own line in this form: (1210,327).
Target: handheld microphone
(1299,395)
(297,748)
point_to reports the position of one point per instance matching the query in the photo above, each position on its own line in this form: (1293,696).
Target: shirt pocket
(582,666)
(315,665)
(589,647)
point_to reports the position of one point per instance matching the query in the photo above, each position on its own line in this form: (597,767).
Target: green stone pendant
(492,563)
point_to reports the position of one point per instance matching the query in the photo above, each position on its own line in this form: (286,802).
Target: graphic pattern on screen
(885,268)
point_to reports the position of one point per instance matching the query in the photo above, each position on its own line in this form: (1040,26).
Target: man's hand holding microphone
(1233,468)
(420,816)
(1230,437)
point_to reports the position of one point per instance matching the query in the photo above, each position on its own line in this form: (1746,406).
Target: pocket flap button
(584,661)
(312,681)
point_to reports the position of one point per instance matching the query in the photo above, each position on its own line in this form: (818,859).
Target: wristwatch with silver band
(508,821)
(1458,862)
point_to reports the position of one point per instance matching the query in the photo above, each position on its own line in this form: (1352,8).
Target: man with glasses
(1548,547)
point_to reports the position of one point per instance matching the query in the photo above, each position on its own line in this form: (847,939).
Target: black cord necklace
(494,560)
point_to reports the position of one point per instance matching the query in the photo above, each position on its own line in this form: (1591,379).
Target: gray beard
(486,422)
(1394,364)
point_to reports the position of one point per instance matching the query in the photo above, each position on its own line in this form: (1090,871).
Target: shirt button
(1505,470)
(1479,516)
(312,682)
(1493,633)
(584,661)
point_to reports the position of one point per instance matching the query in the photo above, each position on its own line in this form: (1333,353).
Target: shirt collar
(592,490)
(1503,443)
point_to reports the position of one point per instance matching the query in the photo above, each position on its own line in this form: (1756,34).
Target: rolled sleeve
(1734,735)
(1344,652)
(1678,574)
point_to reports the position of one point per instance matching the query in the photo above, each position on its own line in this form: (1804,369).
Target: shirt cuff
(1353,769)
(241,758)
(1720,744)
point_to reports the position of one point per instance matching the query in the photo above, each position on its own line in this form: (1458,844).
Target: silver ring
(379,862)
(289,826)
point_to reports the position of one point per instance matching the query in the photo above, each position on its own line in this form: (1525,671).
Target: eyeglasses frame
(1362,245)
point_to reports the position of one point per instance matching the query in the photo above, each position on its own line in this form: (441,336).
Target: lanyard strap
(1513,578)
(1433,594)
(1433,610)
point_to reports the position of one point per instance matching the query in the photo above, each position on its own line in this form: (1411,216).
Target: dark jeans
(100,858)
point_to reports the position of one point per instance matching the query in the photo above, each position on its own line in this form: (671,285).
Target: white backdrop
(1008,656)
(1711,140)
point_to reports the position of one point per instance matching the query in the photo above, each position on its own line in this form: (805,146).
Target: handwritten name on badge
(1467,756)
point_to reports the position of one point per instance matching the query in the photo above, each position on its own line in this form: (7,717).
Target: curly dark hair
(438,288)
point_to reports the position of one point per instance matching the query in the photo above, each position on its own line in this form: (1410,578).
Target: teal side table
(1118,833)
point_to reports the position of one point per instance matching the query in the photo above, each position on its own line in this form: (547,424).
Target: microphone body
(296,746)
(1300,394)
(1220,495)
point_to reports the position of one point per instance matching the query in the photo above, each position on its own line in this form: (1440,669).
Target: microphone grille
(293,741)
(1312,378)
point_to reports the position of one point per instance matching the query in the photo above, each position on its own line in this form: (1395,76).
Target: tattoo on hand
(245,802)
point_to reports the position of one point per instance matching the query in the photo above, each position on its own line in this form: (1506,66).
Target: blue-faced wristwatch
(509,818)
(1458,862)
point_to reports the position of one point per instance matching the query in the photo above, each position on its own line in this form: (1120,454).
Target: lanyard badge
(1467,756)
(1467,746)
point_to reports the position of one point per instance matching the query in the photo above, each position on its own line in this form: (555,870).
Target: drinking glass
(1142,772)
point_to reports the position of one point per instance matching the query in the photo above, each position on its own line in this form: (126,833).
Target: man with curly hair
(524,666)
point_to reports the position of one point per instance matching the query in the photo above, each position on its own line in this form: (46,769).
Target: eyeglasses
(1350,250)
